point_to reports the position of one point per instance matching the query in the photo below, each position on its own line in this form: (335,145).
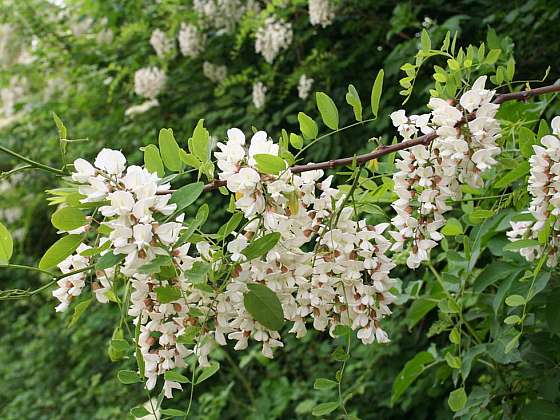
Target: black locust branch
(383,150)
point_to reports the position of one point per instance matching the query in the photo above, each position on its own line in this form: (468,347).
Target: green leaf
(6,245)
(200,142)
(519,244)
(109,260)
(139,411)
(453,227)
(353,99)
(68,218)
(527,139)
(167,294)
(207,372)
(323,383)
(515,300)
(328,110)
(186,195)
(229,226)
(454,362)
(59,251)
(376,92)
(173,412)
(492,56)
(324,408)
(479,215)
(62,132)
(307,126)
(418,310)
(425,41)
(174,376)
(79,309)
(520,170)
(152,160)
(197,274)
(296,141)
(512,320)
(169,150)
(412,369)
(154,266)
(261,246)
(264,306)
(128,377)
(190,159)
(457,399)
(269,164)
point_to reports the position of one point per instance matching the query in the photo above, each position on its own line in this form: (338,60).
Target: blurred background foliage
(51,371)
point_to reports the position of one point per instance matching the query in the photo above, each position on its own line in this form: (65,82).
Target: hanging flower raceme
(149,82)
(274,36)
(539,232)
(323,268)
(429,176)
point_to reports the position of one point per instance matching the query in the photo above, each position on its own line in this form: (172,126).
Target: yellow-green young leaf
(307,126)
(174,376)
(512,320)
(169,150)
(457,399)
(207,372)
(269,164)
(62,132)
(353,99)
(454,362)
(493,56)
(479,215)
(425,41)
(189,159)
(455,336)
(515,300)
(453,227)
(264,306)
(324,408)
(296,141)
(59,251)
(6,245)
(152,160)
(200,142)
(328,110)
(323,383)
(376,92)
(68,218)
(512,344)
(186,195)
(527,139)
(510,69)
(79,309)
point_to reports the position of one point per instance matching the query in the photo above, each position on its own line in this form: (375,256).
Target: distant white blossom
(142,108)
(161,43)
(321,12)
(191,40)
(304,86)
(259,94)
(149,82)
(214,72)
(272,37)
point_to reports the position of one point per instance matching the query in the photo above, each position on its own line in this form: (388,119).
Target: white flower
(214,72)
(321,12)
(259,94)
(245,179)
(191,40)
(236,247)
(149,82)
(161,44)
(304,86)
(274,36)
(476,96)
(142,108)
(260,144)
(110,161)
(84,171)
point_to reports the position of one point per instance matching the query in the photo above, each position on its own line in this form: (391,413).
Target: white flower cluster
(274,36)
(223,14)
(149,82)
(304,86)
(429,176)
(344,280)
(191,40)
(321,12)
(544,187)
(326,269)
(259,94)
(214,72)
(161,43)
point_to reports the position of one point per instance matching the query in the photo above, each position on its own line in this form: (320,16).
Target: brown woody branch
(383,150)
